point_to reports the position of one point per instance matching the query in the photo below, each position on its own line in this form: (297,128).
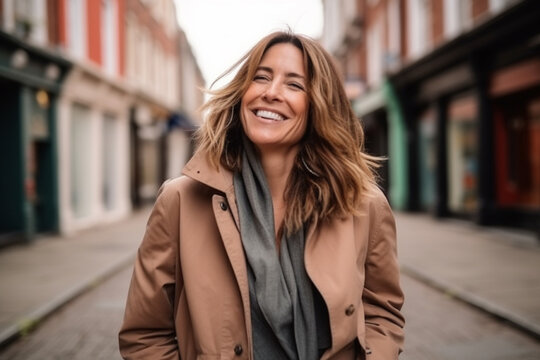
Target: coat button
(238,350)
(349,310)
(223,206)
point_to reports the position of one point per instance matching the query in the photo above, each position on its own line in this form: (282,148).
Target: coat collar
(200,169)
(221,179)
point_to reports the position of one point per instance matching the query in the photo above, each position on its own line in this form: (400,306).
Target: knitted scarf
(282,301)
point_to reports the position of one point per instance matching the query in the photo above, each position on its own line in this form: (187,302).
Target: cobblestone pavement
(85,329)
(438,328)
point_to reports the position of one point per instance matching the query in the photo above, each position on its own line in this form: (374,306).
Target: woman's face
(275,106)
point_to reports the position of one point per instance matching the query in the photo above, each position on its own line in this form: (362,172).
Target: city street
(438,327)
(103,101)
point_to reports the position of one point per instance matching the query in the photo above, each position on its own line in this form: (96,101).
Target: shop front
(30,80)
(515,91)
(472,111)
(93,138)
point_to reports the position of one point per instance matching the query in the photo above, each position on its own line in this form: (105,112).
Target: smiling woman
(274,107)
(276,243)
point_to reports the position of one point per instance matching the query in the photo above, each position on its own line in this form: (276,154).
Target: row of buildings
(449,91)
(99,98)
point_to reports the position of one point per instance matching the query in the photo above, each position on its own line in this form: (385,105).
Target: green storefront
(386,136)
(30,81)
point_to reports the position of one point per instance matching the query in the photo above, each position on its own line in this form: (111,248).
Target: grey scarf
(282,301)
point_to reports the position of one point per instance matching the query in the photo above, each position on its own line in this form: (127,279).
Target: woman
(276,243)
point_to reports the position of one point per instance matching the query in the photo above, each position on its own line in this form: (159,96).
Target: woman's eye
(260,78)
(296,86)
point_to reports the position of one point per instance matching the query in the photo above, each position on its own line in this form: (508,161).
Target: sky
(221,31)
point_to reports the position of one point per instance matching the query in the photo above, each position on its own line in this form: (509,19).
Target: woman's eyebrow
(265,68)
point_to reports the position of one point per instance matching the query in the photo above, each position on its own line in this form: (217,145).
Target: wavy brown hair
(331,171)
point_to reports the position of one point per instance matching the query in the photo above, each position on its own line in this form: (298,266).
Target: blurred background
(99,101)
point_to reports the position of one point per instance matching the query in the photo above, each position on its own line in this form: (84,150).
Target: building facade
(458,85)
(181,125)
(93,115)
(152,70)
(30,82)
(96,93)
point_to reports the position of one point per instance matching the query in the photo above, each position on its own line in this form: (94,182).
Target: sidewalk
(37,279)
(493,269)
(496,270)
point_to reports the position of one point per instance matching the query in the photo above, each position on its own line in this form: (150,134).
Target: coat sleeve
(382,295)
(148,330)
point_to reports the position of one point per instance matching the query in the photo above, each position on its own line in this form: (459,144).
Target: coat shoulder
(183,185)
(185,191)
(374,199)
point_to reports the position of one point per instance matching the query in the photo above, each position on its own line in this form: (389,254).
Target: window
(498,5)
(80,161)
(26,18)
(462,141)
(109,36)
(110,161)
(419,29)
(517,119)
(427,158)
(457,17)
(393,54)
(76,24)
(375,54)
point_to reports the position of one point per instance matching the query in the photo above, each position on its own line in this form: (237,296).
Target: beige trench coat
(189,298)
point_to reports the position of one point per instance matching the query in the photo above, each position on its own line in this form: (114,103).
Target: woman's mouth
(270,115)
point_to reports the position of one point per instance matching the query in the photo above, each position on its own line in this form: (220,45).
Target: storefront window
(517,125)
(462,135)
(110,161)
(150,137)
(427,158)
(80,148)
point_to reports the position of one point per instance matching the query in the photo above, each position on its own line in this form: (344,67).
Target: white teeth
(269,115)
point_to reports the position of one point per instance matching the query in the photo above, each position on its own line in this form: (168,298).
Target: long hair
(331,171)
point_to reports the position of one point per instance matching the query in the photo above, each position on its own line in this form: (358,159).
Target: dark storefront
(472,108)
(30,81)
(148,154)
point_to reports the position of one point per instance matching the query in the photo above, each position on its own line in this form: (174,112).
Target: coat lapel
(331,263)
(226,215)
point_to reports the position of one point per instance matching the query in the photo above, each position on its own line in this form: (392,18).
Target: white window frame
(77,28)
(457,17)
(419,29)
(109,36)
(375,56)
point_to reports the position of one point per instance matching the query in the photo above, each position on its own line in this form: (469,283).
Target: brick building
(97,116)
(450,92)
(31,77)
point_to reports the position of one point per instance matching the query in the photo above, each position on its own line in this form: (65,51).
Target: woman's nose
(272,92)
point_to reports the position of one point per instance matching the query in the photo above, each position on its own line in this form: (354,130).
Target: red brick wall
(52,21)
(93,18)
(145,18)
(61,20)
(437,21)
(479,7)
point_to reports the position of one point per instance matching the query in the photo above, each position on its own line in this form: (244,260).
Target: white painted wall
(101,100)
